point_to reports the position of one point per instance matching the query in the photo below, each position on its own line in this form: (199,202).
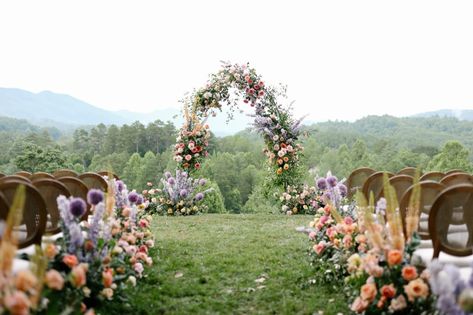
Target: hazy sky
(340,59)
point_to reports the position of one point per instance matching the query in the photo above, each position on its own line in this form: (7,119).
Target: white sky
(340,59)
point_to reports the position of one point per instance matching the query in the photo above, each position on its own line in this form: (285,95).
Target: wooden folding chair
(357,178)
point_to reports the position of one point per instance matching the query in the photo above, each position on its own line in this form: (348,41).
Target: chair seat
(425,244)
(30,250)
(20,265)
(423,256)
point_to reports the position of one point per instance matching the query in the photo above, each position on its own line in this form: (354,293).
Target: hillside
(461,114)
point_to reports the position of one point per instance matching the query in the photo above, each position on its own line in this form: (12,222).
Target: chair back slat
(77,188)
(50,190)
(40,175)
(94,180)
(451,221)
(374,184)
(434,176)
(411,171)
(24,174)
(34,218)
(457,179)
(64,173)
(357,179)
(429,190)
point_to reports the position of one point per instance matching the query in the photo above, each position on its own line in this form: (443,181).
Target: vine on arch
(272,120)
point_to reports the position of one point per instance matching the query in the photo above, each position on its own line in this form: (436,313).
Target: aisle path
(232,264)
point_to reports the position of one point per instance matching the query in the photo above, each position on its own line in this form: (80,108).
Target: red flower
(251,91)
(197,165)
(199,148)
(194,150)
(261,93)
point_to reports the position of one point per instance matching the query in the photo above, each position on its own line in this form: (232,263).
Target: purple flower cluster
(454,295)
(70,210)
(331,189)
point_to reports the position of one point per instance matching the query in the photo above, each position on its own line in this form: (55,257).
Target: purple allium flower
(183,193)
(171,181)
(343,190)
(199,196)
(322,183)
(94,197)
(77,207)
(133,197)
(184,174)
(167,174)
(332,181)
(120,185)
(202,182)
(140,200)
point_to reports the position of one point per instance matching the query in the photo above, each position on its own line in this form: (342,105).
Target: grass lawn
(229,264)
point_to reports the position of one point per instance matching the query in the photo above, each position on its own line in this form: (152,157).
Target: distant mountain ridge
(65,112)
(461,114)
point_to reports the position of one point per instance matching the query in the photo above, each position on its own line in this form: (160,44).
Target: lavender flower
(140,200)
(94,196)
(167,174)
(332,181)
(171,181)
(199,196)
(202,182)
(94,228)
(133,197)
(322,183)
(77,207)
(76,238)
(183,193)
(343,190)
(120,185)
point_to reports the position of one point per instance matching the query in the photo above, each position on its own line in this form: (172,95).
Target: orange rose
(54,280)
(17,303)
(70,260)
(409,273)
(279,171)
(107,278)
(394,257)
(25,280)
(50,251)
(368,292)
(78,276)
(388,291)
(415,289)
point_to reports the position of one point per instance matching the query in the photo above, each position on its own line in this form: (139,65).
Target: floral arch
(231,84)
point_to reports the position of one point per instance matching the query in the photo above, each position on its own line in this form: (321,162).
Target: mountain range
(63,111)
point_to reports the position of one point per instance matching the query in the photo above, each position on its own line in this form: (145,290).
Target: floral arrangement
(272,120)
(331,190)
(383,279)
(192,142)
(20,293)
(179,195)
(95,260)
(454,295)
(299,200)
(335,237)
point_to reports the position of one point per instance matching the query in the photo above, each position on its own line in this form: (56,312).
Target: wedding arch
(231,85)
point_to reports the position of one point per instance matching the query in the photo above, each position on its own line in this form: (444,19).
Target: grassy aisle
(230,264)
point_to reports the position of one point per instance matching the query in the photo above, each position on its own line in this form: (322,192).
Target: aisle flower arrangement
(20,293)
(331,190)
(95,260)
(191,143)
(177,195)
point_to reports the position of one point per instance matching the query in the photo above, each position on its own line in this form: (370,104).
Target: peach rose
(394,257)
(409,273)
(319,248)
(50,251)
(70,260)
(368,292)
(107,293)
(416,289)
(126,212)
(78,276)
(359,305)
(17,303)
(54,280)
(107,278)
(25,280)
(388,291)
(398,304)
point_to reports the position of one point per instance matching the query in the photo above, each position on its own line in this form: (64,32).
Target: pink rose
(319,248)
(312,235)
(348,220)
(188,157)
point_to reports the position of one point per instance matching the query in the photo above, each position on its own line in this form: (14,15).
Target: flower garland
(272,120)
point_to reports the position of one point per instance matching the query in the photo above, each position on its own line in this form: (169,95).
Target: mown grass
(208,264)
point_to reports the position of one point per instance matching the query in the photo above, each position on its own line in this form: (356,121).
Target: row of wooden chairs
(370,181)
(41,213)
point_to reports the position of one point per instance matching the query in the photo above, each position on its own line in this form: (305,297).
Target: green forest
(236,167)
